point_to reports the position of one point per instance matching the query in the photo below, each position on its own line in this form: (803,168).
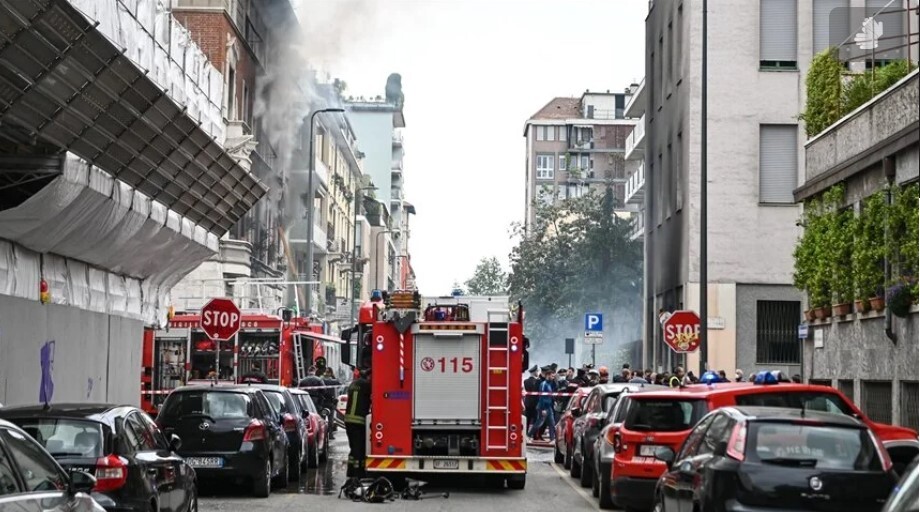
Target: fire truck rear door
(447,377)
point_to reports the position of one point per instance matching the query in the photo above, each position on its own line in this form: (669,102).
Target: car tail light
(111,473)
(255,431)
(736,441)
(617,442)
(290,424)
(887,464)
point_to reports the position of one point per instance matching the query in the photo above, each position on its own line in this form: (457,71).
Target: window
(217,405)
(693,440)
(545,167)
(810,400)
(778,163)
(876,400)
(231,94)
(550,133)
(139,437)
(678,63)
(66,437)
(541,132)
(664,415)
(562,159)
(717,432)
(38,469)
(777,332)
(846,387)
(562,133)
(678,175)
(669,69)
(830,18)
(778,34)
(909,401)
(585,162)
(816,446)
(7,477)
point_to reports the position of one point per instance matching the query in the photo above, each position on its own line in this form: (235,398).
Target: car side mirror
(665,454)
(81,481)
(175,442)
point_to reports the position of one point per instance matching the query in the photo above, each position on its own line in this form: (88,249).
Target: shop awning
(63,82)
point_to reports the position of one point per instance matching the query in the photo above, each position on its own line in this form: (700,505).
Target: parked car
(588,424)
(317,429)
(136,467)
(294,424)
(563,445)
(32,481)
(767,458)
(904,497)
(604,450)
(230,433)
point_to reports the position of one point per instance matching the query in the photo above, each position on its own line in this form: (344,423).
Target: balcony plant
(804,255)
(839,247)
(869,252)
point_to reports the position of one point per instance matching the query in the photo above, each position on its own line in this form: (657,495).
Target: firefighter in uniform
(356,411)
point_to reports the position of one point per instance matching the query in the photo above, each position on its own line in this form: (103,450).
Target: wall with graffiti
(64,354)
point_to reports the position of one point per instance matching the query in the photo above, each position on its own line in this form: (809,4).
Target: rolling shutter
(778,163)
(830,23)
(778,30)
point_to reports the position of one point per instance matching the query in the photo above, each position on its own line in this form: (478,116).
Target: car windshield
(213,404)
(810,400)
(814,446)
(664,415)
(65,437)
(277,401)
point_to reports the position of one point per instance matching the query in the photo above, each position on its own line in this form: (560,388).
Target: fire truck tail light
(513,436)
(514,348)
(379,347)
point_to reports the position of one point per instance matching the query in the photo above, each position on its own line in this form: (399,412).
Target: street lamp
(310,195)
(359,193)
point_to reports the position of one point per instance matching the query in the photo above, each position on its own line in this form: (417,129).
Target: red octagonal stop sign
(682,332)
(220,319)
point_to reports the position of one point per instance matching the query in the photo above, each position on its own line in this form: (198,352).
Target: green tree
(577,257)
(488,278)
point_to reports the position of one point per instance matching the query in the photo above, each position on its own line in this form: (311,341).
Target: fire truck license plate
(446,464)
(205,462)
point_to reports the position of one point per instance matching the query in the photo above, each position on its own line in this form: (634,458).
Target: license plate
(446,464)
(205,462)
(648,450)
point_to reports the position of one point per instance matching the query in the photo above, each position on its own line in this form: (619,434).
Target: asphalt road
(548,488)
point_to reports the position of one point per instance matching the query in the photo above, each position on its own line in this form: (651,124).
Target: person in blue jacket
(545,414)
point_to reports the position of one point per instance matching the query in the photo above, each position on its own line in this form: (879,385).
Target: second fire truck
(445,386)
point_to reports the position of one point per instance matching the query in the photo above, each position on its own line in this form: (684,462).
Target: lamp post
(359,193)
(377,263)
(310,195)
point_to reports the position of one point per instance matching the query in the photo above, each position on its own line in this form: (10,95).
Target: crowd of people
(549,388)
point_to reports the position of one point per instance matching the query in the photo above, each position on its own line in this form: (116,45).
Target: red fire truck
(445,387)
(283,346)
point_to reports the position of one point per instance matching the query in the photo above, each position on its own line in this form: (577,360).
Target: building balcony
(635,107)
(635,186)
(635,141)
(397,140)
(297,235)
(581,145)
(637,226)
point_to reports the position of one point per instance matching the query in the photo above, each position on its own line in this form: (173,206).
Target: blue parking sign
(594,322)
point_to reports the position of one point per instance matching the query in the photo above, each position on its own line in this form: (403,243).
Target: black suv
(135,466)
(229,432)
(764,458)
(294,425)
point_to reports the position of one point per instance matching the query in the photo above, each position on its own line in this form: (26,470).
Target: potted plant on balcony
(869,253)
(804,258)
(840,246)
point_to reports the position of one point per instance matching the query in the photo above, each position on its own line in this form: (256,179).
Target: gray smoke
(621,327)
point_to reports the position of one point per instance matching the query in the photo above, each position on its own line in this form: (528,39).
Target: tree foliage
(488,278)
(577,257)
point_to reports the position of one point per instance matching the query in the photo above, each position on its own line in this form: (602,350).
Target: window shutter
(778,30)
(778,163)
(827,30)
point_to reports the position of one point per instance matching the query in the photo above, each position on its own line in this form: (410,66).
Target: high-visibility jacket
(359,401)
(674,381)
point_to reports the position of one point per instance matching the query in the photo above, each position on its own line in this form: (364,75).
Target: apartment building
(575,145)
(378,123)
(755,159)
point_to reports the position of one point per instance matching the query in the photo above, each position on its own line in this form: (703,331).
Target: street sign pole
(593,362)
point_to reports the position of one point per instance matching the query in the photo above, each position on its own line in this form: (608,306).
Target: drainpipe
(888,167)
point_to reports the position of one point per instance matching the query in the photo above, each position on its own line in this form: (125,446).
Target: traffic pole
(704,271)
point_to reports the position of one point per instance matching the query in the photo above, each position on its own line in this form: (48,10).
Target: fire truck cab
(281,346)
(445,386)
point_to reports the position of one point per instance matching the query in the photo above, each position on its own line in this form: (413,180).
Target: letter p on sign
(594,322)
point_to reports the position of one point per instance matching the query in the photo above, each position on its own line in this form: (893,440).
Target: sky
(473,71)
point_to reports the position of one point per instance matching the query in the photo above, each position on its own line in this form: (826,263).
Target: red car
(664,419)
(564,426)
(317,429)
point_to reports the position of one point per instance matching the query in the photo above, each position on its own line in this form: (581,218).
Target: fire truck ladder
(498,345)
(299,369)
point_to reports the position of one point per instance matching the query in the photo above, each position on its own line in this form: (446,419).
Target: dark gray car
(32,481)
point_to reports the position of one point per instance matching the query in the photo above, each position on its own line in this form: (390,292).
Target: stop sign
(220,319)
(682,331)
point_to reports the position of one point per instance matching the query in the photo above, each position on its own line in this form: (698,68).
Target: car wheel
(574,467)
(281,481)
(557,455)
(261,486)
(587,471)
(517,482)
(606,501)
(294,467)
(193,501)
(567,462)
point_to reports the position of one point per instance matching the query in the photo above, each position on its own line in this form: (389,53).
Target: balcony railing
(636,104)
(637,226)
(635,141)
(397,139)
(635,186)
